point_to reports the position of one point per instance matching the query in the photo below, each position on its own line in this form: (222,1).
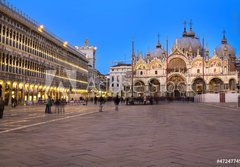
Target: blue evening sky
(110,24)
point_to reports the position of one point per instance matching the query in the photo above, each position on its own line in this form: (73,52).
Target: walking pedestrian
(101,101)
(0,90)
(57,106)
(62,105)
(127,100)
(116,102)
(12,102)
(48,105)
(86,101)
(1,107)
(95,100)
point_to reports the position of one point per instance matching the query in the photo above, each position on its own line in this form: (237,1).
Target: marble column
(3,90)
(23,93)
(16,93)
(10,94)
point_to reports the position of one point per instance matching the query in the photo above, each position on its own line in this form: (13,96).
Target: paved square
(165,135)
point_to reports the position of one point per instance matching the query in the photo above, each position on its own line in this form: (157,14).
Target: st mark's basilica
(187,70)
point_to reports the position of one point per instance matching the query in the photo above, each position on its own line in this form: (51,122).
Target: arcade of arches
(27,58)
(26,93)
(180,82)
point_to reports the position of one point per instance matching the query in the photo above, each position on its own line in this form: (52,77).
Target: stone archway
(154,87)
(199,86)
(232,84)
(139,88)
(216,85)
(176,86)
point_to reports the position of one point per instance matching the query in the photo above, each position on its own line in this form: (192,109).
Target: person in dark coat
(57,106)
(48,105)
(116,102)
(101,102)
(1,107)
(95,100)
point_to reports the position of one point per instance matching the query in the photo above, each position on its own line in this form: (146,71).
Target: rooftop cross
(224,33)
(191,24)
(185,24)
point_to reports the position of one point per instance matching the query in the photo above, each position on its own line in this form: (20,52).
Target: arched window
(232,84)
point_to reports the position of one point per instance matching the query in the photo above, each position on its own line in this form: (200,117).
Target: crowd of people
(59,104)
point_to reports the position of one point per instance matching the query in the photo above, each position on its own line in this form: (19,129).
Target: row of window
(35,44)
(12,64)
(141,72)
(21,66)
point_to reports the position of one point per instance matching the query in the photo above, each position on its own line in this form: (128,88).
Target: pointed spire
(198,52)
(158,43)
(191,33)
(86,42)
(207,48)
(190,25)
(133,54)
(206,53)
(224,39)
(148,52)
(176,44)
(141,55)
(185,29)
(215,53)
(203,53)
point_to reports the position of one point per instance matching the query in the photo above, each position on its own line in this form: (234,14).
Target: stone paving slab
(165,135)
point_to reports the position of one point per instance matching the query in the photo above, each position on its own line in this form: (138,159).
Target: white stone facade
(186,71)
(117,77)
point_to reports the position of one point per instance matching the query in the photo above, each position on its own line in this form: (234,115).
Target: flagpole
(167,62)
(203,64)
(133,55)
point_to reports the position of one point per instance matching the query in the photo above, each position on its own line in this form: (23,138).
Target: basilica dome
(158,51)
(225,50)
(188,44)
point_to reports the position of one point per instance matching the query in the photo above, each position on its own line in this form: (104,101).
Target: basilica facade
(187,70)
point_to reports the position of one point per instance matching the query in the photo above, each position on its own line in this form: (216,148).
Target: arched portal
(199,86)
(139,88)
(232,84)
(176,86)
(154,87)
(216,85)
